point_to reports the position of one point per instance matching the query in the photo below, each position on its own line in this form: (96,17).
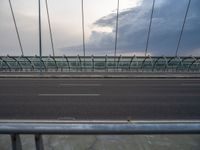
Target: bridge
(110,94)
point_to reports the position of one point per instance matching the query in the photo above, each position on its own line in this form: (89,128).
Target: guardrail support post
(16,142)
(39,142)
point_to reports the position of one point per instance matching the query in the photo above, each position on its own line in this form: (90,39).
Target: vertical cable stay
(16,28)
(116,32)
(40,28)
(183,26)
(40,34)
(83,28)
(50,30)
(149,30)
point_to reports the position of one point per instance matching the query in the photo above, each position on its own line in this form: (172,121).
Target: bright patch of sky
(95,9)
(107,8)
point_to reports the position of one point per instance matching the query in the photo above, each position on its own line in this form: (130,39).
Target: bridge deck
(100,99)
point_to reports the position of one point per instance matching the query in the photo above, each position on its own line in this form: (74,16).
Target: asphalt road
(100,99)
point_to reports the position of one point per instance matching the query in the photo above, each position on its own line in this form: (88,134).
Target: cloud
(133,26)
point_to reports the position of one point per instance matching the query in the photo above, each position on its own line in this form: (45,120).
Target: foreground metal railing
(14,129)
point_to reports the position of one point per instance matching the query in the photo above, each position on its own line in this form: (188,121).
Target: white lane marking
(66,118)
(65,95)
(80,84)
(190,84)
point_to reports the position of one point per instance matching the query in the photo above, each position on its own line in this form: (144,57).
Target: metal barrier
(93,128)
(99,63)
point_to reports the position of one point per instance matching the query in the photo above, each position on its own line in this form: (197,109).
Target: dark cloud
(133,27)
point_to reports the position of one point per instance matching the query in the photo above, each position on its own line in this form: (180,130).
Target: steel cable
(16,28)
(40,34)
(83,28)
(116,32)
(50,30)
(183,26)
(149,31)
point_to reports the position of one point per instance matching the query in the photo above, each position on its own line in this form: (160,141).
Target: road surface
(100,99)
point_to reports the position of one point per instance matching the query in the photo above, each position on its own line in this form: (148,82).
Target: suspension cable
(149,31)
(40,28)
(16,28)
(183,26)
(40,34)
(50,30)
(83,27)
(116,32)
(117,27)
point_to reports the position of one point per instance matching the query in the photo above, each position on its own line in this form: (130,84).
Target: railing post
(93,67)
(16,142)
(118,62)
(39,142)
(166,64)
(106,63)
(67,62)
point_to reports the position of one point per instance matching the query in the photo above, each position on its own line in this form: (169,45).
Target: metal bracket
(39,142)
(16,142)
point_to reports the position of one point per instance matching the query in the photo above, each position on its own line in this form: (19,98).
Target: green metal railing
(99,63)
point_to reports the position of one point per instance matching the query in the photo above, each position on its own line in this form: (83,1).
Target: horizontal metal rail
(14,129)
(101,128)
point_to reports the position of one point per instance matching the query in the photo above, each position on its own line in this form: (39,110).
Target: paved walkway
(134,142)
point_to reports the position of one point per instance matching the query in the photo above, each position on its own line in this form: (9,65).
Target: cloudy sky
(100,19)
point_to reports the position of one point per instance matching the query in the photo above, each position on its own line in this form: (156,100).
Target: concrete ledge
(99,75)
